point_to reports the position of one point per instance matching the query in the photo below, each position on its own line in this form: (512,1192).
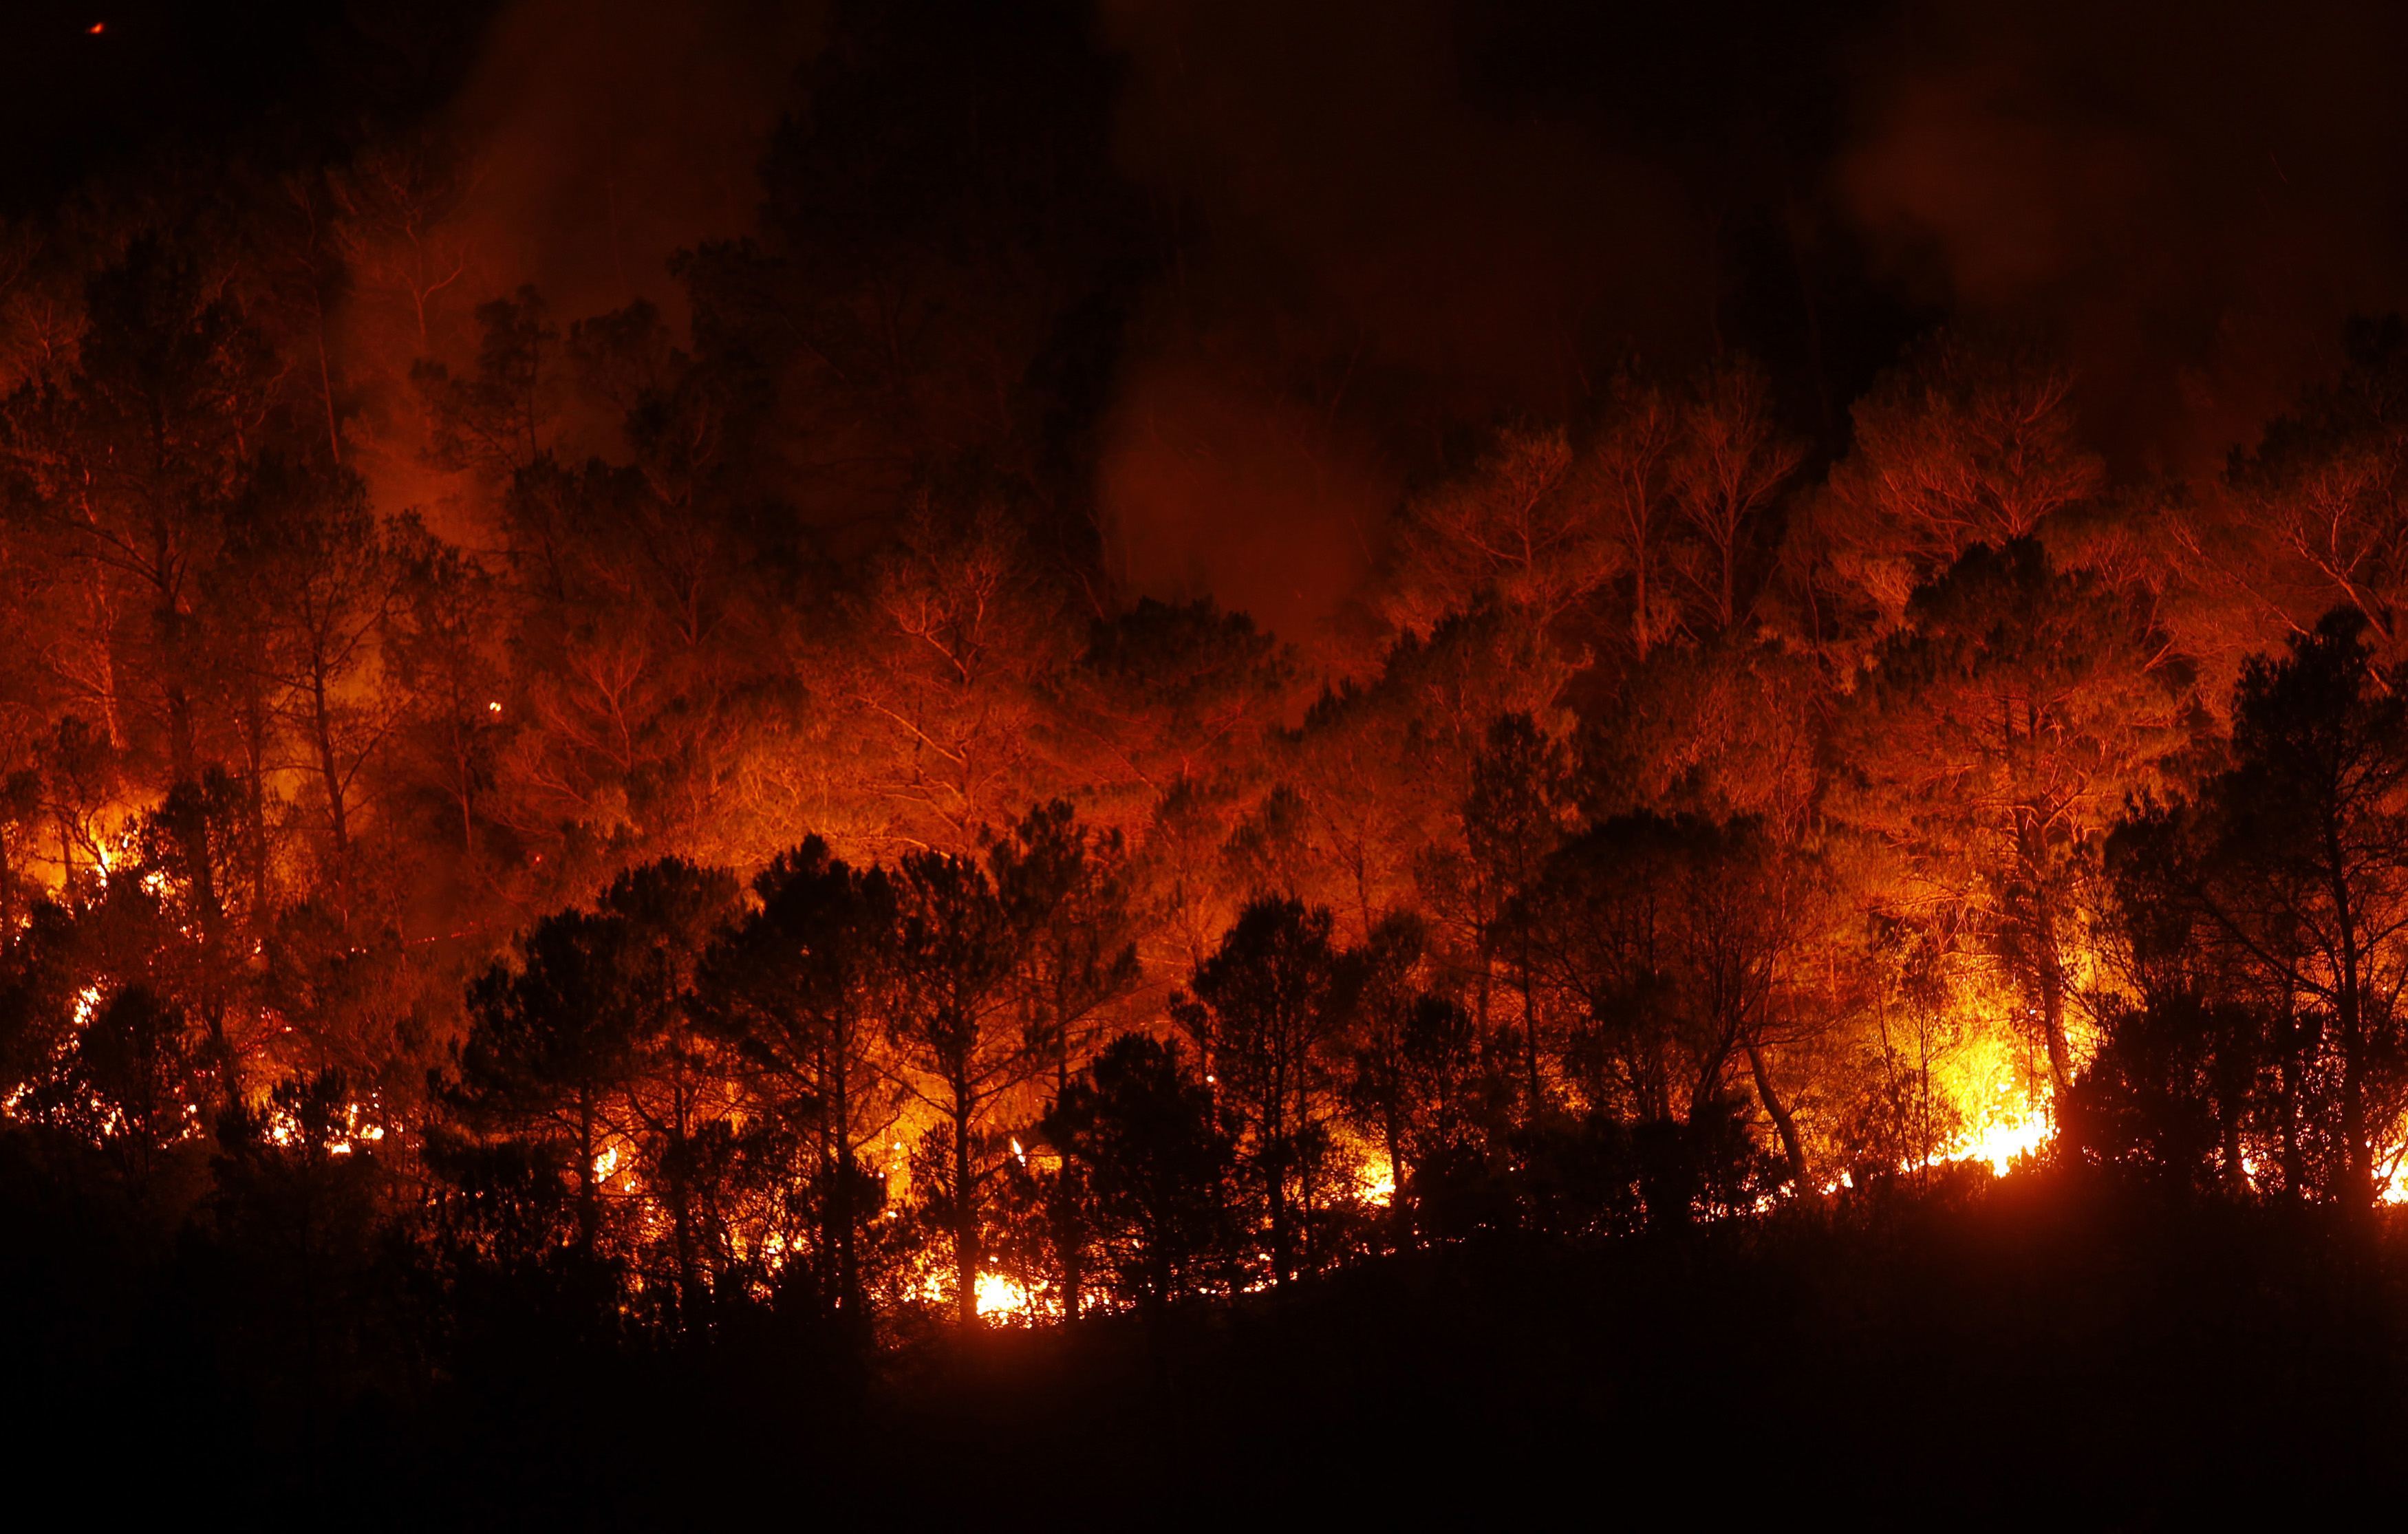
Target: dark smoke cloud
(1368,241)
(1361,250)
(606,135)
(1221,487)
(2186,198)
(1335,145)
(595,139)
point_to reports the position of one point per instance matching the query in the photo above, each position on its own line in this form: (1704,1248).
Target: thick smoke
(591,141)
(1367,246)
(1219,487)
(1362,253)
(603,136)
(2187,199)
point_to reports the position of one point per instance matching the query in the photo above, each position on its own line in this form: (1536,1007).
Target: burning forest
(795,755)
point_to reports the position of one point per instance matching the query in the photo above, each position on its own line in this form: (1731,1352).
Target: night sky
(2186,198)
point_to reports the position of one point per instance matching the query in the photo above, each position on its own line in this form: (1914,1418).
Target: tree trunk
(2236,1170)
(2052,1003)
(254,799)
(1529,1031)
(1792,1145)
(2359,1190)
(588,1203)
(2291,1070)
(1275,1179)
(2043,957)
(839,1205)
(1638,625)
(326,379)
(322,731)
(1730,578)
(1486,946)
(1072,1248)
(1069,1236)
(681,1211)
(465,776)
(966,1231)
(1275,1168)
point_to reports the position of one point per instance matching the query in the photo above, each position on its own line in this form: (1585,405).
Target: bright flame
(1377,1182)
(2393,1188)
(285,1130)
(1995,1144)
(2000,1141)
(998,1296)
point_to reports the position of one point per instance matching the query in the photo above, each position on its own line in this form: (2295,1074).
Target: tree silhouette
(1067,892)
(960,1043)
(552,1046)
(668,913)
(2310,831)
(1157,1161)
(800,987)
(1264,1012)
(1512,820)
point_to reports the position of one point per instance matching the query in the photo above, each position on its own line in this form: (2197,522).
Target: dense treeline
(665,825)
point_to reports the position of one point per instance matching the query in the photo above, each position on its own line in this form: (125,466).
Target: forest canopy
(982,739)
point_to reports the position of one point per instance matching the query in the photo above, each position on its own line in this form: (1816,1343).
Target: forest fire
(773,722)
(1997,1145)
(999,1299)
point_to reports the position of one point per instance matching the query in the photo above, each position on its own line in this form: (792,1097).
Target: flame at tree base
(1997,1143)
(1000,1298)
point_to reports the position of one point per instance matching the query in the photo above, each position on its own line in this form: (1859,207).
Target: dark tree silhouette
(799,987)
(1158,1161)
(1265,1013)
(552,1046)
(961,1045)
(2308,838)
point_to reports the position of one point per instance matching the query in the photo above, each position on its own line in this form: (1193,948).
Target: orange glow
(1675,751)
(2000,1141)
(1376,1183)
(1002,1299)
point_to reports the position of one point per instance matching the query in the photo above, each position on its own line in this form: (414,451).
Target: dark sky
(2185,198)
(2188,193)
(163,75)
